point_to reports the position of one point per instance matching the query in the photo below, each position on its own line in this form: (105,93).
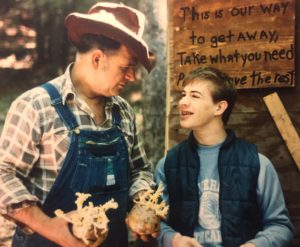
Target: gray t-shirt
(207,231)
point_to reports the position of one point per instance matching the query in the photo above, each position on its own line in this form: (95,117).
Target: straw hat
(115,21)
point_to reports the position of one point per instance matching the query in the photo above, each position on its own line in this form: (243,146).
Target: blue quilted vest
(238,166)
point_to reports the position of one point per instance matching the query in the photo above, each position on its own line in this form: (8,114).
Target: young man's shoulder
(265,163)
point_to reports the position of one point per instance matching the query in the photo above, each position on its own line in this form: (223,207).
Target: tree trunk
(58,41)
(154,84)
(51,39)
(40,41)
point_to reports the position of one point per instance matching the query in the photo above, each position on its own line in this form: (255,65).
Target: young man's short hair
(223,87)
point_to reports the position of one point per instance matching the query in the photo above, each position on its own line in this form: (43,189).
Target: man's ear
(221,106)
(97,57)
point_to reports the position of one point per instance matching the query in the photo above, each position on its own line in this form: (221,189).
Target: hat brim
(78,24)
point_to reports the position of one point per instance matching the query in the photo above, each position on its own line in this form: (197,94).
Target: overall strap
(63,111)
(116,116)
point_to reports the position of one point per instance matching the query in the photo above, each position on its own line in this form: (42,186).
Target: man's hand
(61,233)
(184,241)
(143,237)
(136,235)
(55,229)
(248,245)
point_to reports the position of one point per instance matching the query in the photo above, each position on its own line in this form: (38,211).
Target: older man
(75,134)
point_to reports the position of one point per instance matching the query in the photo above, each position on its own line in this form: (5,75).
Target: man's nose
(130,74)
(183,101)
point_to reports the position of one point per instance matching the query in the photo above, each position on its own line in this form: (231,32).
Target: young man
(221,191)
(75,134)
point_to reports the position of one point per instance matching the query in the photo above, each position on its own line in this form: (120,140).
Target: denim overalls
(96,163)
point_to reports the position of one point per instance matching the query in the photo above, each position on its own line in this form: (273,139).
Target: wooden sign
(251,40)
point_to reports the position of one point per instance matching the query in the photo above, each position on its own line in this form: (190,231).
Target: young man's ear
(221,106)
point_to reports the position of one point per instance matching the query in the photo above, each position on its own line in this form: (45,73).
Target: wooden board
(251,40)
(284,125)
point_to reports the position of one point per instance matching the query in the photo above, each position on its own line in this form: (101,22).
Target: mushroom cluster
(90,223)
(149,209)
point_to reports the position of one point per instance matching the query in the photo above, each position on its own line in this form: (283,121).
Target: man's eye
(125,69)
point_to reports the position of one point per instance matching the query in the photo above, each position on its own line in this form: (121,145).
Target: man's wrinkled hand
(143,237)
(62,234)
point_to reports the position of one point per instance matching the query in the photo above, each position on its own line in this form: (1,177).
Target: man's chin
(184,125)
(115,93)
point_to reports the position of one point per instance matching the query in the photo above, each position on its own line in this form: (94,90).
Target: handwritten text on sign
(253,41)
